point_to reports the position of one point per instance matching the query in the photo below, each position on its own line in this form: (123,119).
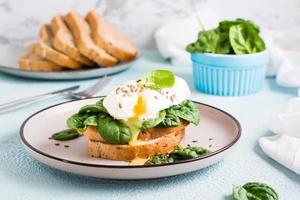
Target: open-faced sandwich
(138,119)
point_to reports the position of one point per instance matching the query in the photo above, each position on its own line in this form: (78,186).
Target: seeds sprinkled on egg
(118,90)
(172,98)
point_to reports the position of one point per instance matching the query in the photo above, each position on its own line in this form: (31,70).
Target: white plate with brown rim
(10,53)
(218,131)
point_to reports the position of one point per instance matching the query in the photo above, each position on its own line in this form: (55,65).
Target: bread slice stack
(72,42)
(154,141)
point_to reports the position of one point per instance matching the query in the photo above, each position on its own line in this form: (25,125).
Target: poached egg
(133,103)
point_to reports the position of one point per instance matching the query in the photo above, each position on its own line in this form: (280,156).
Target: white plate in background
(10,53)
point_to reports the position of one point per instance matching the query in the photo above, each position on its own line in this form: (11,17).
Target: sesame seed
(120,105)
(194,141)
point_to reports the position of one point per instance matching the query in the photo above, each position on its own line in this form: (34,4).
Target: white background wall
(19,20)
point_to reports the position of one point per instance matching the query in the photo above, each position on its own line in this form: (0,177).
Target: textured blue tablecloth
(22,177)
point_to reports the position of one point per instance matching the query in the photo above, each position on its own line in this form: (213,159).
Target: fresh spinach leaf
(67,134)
(230,37)
(254,191)
(150,123)
(91,121)
(225,25)
(170,120)
(92,109)
(87,116)
(160,159)
(101,106)
(239,193)
(245,40)
(76,121)
(158,79)
(113,131)
(187,111)
(211,41)
(180,153)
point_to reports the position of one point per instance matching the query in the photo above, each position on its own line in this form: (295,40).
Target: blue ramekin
(229,75)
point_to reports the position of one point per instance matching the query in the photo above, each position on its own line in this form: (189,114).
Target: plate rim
(138,56)
(228,146)
(66,75)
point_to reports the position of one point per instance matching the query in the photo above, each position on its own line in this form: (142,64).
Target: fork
(86,93)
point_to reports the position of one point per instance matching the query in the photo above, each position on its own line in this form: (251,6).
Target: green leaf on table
(239,193)
(254,191)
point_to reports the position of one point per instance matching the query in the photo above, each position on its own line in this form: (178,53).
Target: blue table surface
(22,177)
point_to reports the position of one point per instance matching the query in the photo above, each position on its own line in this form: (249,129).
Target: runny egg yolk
(138,109)
(133,122)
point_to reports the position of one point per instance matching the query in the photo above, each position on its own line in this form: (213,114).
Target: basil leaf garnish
(158,79)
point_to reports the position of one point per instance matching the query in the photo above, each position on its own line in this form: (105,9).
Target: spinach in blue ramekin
(230,60)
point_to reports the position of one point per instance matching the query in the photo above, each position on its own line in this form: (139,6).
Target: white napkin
(284,147)
(287,45)
(173,36)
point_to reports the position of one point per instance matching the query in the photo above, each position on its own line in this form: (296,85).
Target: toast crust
(31,62)
(159,143)
(63,41)
(107,37)
(82,36)
(44,49)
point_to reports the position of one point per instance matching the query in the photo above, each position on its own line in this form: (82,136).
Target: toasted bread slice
(44,49)
(82,35)
(163,140)
(63,41)
(106,36)
(32,62)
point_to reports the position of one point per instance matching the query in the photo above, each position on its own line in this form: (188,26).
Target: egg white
(121,101)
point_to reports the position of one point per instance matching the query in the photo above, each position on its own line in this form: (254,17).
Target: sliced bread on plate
(107,37)
(45,49)
(82,34)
